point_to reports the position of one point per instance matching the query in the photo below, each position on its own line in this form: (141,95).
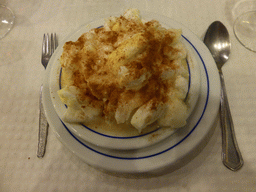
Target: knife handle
(43,129)
(231,155)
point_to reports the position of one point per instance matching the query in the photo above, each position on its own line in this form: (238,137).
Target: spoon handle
(231,155)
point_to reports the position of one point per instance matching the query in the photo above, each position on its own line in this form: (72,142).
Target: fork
(48,47)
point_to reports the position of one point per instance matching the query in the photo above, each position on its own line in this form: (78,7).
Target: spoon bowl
(218,42)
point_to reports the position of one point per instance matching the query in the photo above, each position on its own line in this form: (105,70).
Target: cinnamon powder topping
(126,55)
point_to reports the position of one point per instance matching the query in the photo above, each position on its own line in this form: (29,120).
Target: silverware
(49,45)
(217,41)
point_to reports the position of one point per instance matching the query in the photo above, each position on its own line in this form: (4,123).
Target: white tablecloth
(21,75)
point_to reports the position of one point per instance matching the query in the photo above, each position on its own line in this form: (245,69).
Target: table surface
(21,75)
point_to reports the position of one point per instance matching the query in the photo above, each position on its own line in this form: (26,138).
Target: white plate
(168,151)
(119,140)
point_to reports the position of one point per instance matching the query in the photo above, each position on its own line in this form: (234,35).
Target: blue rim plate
(105,139)
(166,152)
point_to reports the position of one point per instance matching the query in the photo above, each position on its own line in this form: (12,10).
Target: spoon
(217,41)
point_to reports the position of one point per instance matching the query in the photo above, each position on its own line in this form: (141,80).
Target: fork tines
(50,43)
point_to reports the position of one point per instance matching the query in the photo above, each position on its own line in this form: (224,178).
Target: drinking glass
(6,20)
(245,25)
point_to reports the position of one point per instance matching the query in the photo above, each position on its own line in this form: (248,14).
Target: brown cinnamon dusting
(99,84)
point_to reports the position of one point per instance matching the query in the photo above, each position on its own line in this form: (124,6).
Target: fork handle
(231,155)
(43,129)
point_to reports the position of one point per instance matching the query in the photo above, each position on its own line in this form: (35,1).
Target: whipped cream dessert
(129,71)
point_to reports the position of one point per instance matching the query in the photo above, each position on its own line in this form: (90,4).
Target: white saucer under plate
(105,136)
(170,150)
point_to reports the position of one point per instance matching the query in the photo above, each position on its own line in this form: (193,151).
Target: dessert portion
(129,71)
